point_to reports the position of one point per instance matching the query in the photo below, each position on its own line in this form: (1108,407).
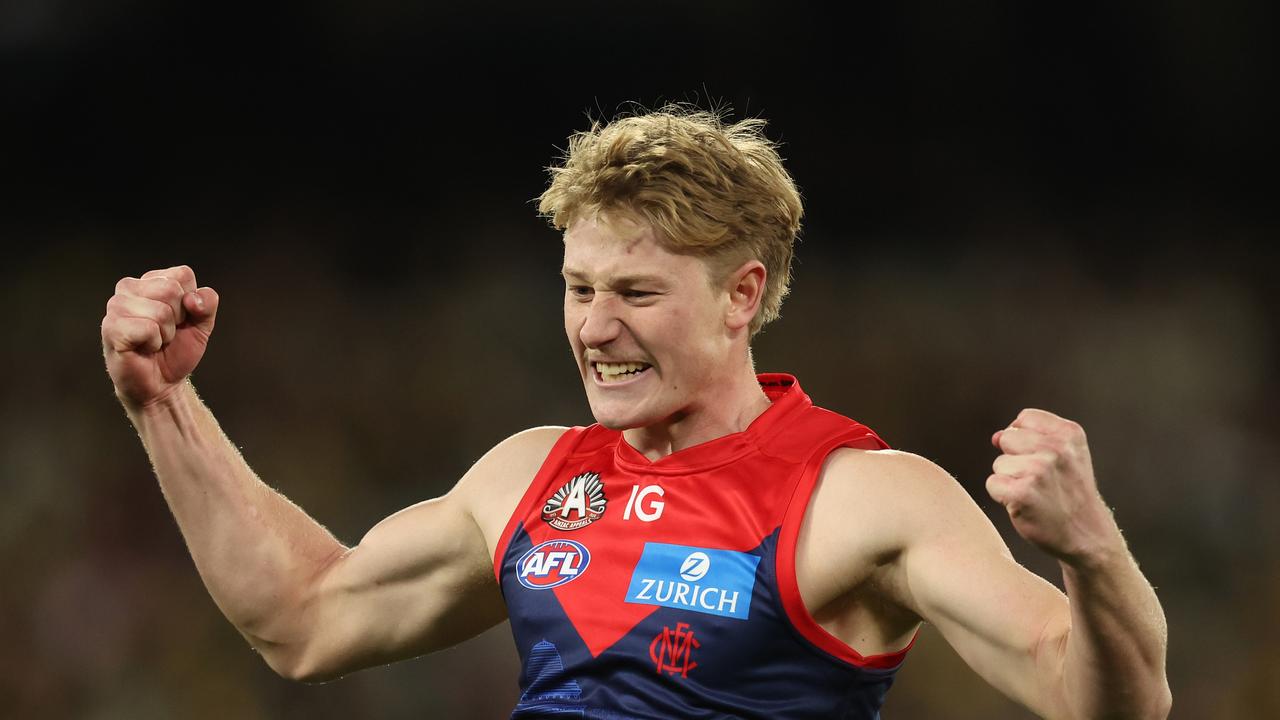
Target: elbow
(291,643)
(282,661)
(1157,706)
(1163,702)
(300,666)
(301,657)
(1158,697)
(310,675)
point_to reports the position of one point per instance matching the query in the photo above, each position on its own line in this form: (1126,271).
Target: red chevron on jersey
(641,588)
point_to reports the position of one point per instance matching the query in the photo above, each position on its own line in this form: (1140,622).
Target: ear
(746,290)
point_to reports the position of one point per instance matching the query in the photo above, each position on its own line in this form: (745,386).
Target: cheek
(572,322)
(691,338)
(705,328)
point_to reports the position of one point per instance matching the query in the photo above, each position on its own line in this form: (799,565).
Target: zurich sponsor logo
(695,566)
(714,582)
(552,564)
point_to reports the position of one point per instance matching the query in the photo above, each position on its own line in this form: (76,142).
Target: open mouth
(619,372)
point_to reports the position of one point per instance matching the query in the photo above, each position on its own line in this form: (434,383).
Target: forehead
(603,246)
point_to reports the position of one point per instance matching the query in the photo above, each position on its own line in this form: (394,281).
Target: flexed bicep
(957,573)
(419,581)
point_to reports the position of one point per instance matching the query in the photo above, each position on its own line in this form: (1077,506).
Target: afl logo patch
(577,503)
(552,564)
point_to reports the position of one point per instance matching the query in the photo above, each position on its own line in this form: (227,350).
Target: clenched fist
(155,332)
(1044,479)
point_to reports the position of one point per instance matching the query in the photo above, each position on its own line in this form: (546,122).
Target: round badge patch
(552,564)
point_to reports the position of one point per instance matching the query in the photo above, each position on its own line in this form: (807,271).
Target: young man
(715,546)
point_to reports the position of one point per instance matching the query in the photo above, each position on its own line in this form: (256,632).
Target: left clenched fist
(1044,478)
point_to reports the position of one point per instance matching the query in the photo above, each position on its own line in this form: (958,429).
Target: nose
(601,324)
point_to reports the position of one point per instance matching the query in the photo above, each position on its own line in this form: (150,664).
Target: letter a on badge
(577,500)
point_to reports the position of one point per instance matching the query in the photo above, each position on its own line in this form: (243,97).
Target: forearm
(1113,657)
(256,551)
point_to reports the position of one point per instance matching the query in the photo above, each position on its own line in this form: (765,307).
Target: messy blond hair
(709,189)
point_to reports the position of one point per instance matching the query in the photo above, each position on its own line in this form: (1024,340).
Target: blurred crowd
(996,220)
(357,401)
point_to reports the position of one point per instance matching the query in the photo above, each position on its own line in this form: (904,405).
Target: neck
(725,408)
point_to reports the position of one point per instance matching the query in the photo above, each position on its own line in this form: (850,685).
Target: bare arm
(1099,654)
(1112,651)
(256,551)
(418,581)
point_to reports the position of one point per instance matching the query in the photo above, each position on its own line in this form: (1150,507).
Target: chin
(617,421)
(620,418)
(613,425)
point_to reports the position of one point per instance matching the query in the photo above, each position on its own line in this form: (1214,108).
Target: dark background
(1067,206)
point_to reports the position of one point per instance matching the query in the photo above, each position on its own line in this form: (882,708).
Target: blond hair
(709,189)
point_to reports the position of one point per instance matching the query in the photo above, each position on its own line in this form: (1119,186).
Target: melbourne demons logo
(672,650)
(577,503)
(552,564)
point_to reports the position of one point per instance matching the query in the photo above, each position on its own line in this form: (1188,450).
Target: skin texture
(628,299)
(889,539)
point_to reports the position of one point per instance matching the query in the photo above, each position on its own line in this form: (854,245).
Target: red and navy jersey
(665,589)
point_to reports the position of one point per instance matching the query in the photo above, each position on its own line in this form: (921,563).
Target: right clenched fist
(155,332)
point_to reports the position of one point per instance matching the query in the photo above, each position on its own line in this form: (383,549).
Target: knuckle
(1011,495)
(994,485)
(164,313)
(164,287)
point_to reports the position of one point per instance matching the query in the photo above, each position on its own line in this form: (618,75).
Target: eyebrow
(616,281)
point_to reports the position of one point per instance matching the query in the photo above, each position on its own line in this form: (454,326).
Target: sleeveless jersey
(667,589)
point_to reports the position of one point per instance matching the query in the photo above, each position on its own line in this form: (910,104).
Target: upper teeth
(619,368)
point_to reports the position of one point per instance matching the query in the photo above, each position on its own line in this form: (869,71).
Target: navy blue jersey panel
(677,663)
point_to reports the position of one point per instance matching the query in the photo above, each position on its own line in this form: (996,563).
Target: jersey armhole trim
(561,450)
(788,586)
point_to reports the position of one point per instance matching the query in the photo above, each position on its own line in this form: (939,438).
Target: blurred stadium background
(1063,206)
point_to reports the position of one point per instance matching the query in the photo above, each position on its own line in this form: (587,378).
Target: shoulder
(532,445)
(896,498)
(493,486)
(908,515)
(891,477)
(515,460)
